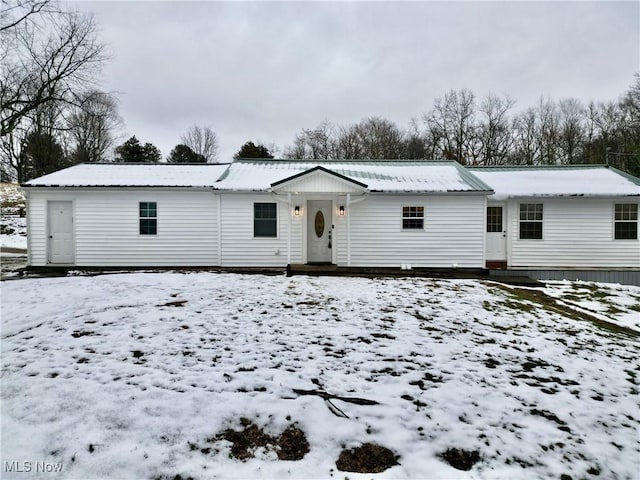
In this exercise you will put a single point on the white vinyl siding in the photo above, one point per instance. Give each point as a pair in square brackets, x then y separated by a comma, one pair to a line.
[453, 232]
[239, 246]
[319, 182]
[107, 227]
[578, 233]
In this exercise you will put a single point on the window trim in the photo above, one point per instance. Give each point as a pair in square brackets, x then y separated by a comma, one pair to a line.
[141, 218]
[403, 218]
[277, 217]
[521, 221]
[616, 222]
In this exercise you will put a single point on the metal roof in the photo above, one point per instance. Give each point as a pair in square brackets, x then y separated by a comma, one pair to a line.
[378, 175]
[132, 175]
[558, 181]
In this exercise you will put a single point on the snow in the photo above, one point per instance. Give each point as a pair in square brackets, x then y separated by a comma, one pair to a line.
[384, 176]
[132, 175]
[546, 182]
[12, 218]
[452, 363]
[259, 175]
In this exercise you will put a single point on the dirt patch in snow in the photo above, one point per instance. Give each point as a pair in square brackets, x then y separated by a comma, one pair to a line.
[461, 459]
[367, 458]
[291, 444]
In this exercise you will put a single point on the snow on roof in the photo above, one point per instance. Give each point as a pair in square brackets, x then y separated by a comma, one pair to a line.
[132, 175]
[378, 176]
[585, 181]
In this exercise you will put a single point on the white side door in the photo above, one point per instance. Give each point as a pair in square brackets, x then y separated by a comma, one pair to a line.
[60, 226]
[496, 232]
[319, 231]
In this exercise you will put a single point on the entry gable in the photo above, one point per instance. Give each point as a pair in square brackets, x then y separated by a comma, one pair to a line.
[318, 180]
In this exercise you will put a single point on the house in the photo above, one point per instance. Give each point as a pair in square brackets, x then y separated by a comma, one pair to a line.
[563, 222]
[273, 213]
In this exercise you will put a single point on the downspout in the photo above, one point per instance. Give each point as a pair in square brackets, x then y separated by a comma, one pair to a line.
[348, 230]
[289, 229]
[28, 215]
[484, 234]
[219, 202]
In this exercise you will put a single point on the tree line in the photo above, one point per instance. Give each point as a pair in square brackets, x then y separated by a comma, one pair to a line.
[54, 115]
[490, 132]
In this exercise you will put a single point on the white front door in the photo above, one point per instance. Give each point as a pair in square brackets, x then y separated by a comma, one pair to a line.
[319, 231]
[60, 221]
[496, 232]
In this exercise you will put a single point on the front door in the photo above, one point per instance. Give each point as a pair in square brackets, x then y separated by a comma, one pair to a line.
[319, 231]
[60, 221]
[496, 234]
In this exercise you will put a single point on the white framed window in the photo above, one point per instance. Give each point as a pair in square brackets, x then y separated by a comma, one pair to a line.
[531, 215]
[625, 222]
[148, 218]
[412, 218]
[265, 219]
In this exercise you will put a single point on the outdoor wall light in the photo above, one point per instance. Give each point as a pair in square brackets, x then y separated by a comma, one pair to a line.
[341, 211]
[296, 210]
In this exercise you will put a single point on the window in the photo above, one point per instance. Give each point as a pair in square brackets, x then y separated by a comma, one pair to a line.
[412, 218]
[265, 220]
[148, 218]
[626, 221]
[494, 219]
[530, 221]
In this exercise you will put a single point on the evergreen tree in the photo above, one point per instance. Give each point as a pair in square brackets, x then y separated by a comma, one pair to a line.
[42, 154]
[251, 150]
[151, 153]
[183, 154]
[132, 151]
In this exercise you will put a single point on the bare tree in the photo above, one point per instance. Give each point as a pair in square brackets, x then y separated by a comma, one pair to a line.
[416, 145]
[347, 143]
[494, 130]
[526, 149]
[203, 141]
[21, 12]
[317, 143]
[47, 56]
[451, 121]
[92, 125]
[548, 132]
[379, 138]
[571, 129]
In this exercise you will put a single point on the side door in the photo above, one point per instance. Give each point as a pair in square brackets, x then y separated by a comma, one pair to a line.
[60, 232]
[496, 234]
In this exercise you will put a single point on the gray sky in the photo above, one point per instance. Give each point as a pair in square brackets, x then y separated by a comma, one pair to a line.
[263, 71]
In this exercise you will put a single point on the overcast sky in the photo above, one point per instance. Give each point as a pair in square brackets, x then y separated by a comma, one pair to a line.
[263, 71]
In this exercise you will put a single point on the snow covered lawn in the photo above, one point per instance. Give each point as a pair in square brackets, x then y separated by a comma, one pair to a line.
[136, 376]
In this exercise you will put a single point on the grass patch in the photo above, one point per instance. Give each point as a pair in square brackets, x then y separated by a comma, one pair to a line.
[550, 304]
